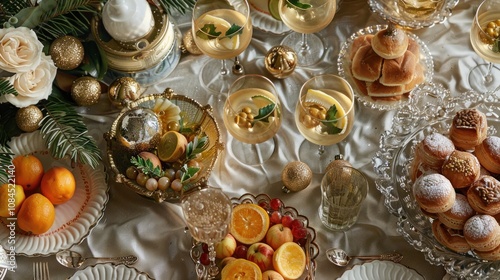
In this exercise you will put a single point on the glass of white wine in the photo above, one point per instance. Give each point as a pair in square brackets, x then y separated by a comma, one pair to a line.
[324, 115]
[485, 39]
[252, 115]
[306, 17]
[222, 29]
[208, 215]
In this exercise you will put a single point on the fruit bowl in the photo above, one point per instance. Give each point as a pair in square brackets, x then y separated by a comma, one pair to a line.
[266, 202]
[193, 116]
[391, 163]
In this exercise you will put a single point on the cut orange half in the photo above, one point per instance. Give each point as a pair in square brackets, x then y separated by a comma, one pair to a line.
[289, 260]
[241, 269]
[172, 146]
[249, 223]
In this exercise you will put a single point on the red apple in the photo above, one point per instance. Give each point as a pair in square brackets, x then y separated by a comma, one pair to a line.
[277, 235]
[261, 254]
[225, 247]
[271, 275]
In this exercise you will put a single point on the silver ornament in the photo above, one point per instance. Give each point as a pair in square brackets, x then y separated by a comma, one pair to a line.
[138, 130]
[280, 61]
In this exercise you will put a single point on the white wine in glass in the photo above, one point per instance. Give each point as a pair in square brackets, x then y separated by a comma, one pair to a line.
[485, 39]
[324, 115]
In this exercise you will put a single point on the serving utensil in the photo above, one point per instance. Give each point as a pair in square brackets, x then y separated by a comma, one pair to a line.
[73, 259]
[237, 67]
[339, 257]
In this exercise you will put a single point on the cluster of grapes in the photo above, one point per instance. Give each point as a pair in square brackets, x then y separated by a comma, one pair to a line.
[492, 29]
[245, 118]
[171, 178]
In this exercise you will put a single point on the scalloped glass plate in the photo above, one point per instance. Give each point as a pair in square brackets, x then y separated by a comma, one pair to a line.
[389, 11]
[344, 66]
[380, 270]
[264, 200]
[411, 124]
[110, 271]
[75, 218]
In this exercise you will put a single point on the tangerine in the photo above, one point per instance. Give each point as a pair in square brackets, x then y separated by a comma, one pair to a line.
[36, 215]
[58, 185]
[241, 269]
[249, 223]
[29, 171]
[289, 260]
[11, 199]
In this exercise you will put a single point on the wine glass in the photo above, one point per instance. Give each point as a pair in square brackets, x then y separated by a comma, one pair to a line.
[252, 115]
[485, 39]
[208, 214]
[306, 17]
[222, 29]
[324, 116]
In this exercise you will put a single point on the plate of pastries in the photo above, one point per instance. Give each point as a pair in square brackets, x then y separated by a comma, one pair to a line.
[385, 64]
[439, 170]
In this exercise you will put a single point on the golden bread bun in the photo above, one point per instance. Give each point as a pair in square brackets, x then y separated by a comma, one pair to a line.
[434, 193]
[484, 195]
[458, 214]
[434, 149]
[390, 43]
[398, 71]
[488, 154]
[366, 64]
[461, 168]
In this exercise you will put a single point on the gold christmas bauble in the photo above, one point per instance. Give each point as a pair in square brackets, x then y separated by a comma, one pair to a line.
[124, 88]
[296, 176]
[338, 161]
[86, 91]
[67, 52]
[189, 45]
[280, 61]
[28, 118]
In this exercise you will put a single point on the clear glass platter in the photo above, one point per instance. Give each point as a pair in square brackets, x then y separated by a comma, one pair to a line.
[380, 270]
[389, 11]
[433, 113]
[110, 271]
[75, 218]
[344, 66]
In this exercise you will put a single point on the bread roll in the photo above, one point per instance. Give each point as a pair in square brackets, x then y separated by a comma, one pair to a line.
[398, 71]
[468, 129]
[366, 64]
[461, 168]
[488, 154]
[414, 48]
[390, 43]
[482, 232]
[418, 78]
[458, 214]
[376, 89]
[434, 149]
[434, 193]
[365, 40]
[484, 195]
[450, 238]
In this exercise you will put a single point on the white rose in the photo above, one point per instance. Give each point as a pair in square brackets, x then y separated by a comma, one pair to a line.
[20, 50]
[33, 86]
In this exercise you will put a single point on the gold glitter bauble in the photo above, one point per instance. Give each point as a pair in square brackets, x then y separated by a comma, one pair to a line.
[86, 91]
[67, 52]
[296, 176]
[338, 161]
[280, 61]
[28, 118]
[124, 88]
[189, 45]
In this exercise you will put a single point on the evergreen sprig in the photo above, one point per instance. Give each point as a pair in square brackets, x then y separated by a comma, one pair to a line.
[147, 167]
[6, 88]
[6, 156]
[180, 6]
[198, 145]
[65, 133]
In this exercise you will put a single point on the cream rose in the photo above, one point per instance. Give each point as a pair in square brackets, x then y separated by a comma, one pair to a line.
[33, 86]
[20, 50]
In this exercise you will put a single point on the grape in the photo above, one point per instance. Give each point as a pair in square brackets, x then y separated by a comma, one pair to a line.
[296, 224]
[299, 233]
[170, 174]
[176, 185]
[264, 204]
[240, 252]
[141, 179]
[151, 184]
[276, 204]
[131, 172]
[173, 125]
[204, 259]
[193, 163]
[275, 217]
[163, 183]
[204, 247]
[286, 221]
[178, 174]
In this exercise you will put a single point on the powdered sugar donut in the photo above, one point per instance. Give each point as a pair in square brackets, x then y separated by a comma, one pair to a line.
[459, 213]
[482, 232]
[434, 193]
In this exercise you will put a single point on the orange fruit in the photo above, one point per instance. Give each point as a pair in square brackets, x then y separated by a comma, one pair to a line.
[58, 185]
[172, 146]
[249, 223]
[289, 260]
[29, 171]
[37, 214]
[241, 269]
[11, 198]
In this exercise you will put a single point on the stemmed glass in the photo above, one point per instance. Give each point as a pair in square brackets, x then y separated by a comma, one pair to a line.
[252, 115]
[208, 215]
[324, 116]
[222, 29]
[306, 17]
[485, 39]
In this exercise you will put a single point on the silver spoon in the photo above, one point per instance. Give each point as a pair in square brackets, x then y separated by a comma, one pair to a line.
[339, 257]
[237, 67]
[73, 259]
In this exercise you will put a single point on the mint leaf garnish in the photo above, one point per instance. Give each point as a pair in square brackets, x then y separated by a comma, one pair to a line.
[233, 31]
[496, 46]
[330, 122]
[298, 4]
[207, 32]
[265, 112]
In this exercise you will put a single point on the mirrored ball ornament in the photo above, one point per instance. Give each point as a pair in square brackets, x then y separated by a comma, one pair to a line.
[123, 89]
[138, 129]
[296, 176]
[280, 61]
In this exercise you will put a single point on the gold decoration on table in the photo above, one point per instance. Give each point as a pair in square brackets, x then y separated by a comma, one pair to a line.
[28, 118]
[86, 91]
[124, 88]
[338, 161]
[189, 45]
[281, 61]
[67, 52]
[296, 176]
[137, 130]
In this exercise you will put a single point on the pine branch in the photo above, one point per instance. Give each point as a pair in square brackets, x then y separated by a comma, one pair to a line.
[6, 87]
[8, 126]
[180, 6]
[9, 8]
[6, 157]
[66, 134]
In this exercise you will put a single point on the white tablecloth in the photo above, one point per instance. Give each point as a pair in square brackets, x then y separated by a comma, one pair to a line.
[155, 232]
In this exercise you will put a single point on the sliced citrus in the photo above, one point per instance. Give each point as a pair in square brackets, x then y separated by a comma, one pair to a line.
[289, 260]
[274, 9]
[249, 223]
[172, 146]
[230, 43]
[261, 100]
[241, 269]
[326, 100]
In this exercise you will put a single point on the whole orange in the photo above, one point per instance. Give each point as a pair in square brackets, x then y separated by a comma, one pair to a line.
[29, 171]
[58, 185]
[36, 215]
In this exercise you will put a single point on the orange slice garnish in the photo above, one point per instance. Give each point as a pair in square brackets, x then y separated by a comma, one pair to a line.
[249, 223]
[289, 260]
[241, 269]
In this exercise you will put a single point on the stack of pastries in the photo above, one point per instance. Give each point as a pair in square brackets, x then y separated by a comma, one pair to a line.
[455, 182]
[386, 66]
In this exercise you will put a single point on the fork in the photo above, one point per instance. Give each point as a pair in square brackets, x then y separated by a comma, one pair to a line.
[41, 271]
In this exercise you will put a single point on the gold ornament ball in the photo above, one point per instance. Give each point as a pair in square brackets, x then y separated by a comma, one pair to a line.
[124, 88]
[338, 161]
[189, 45]
[296, 176]
[86, 91]
[67, 52]
[280, 61]
[28, 118]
